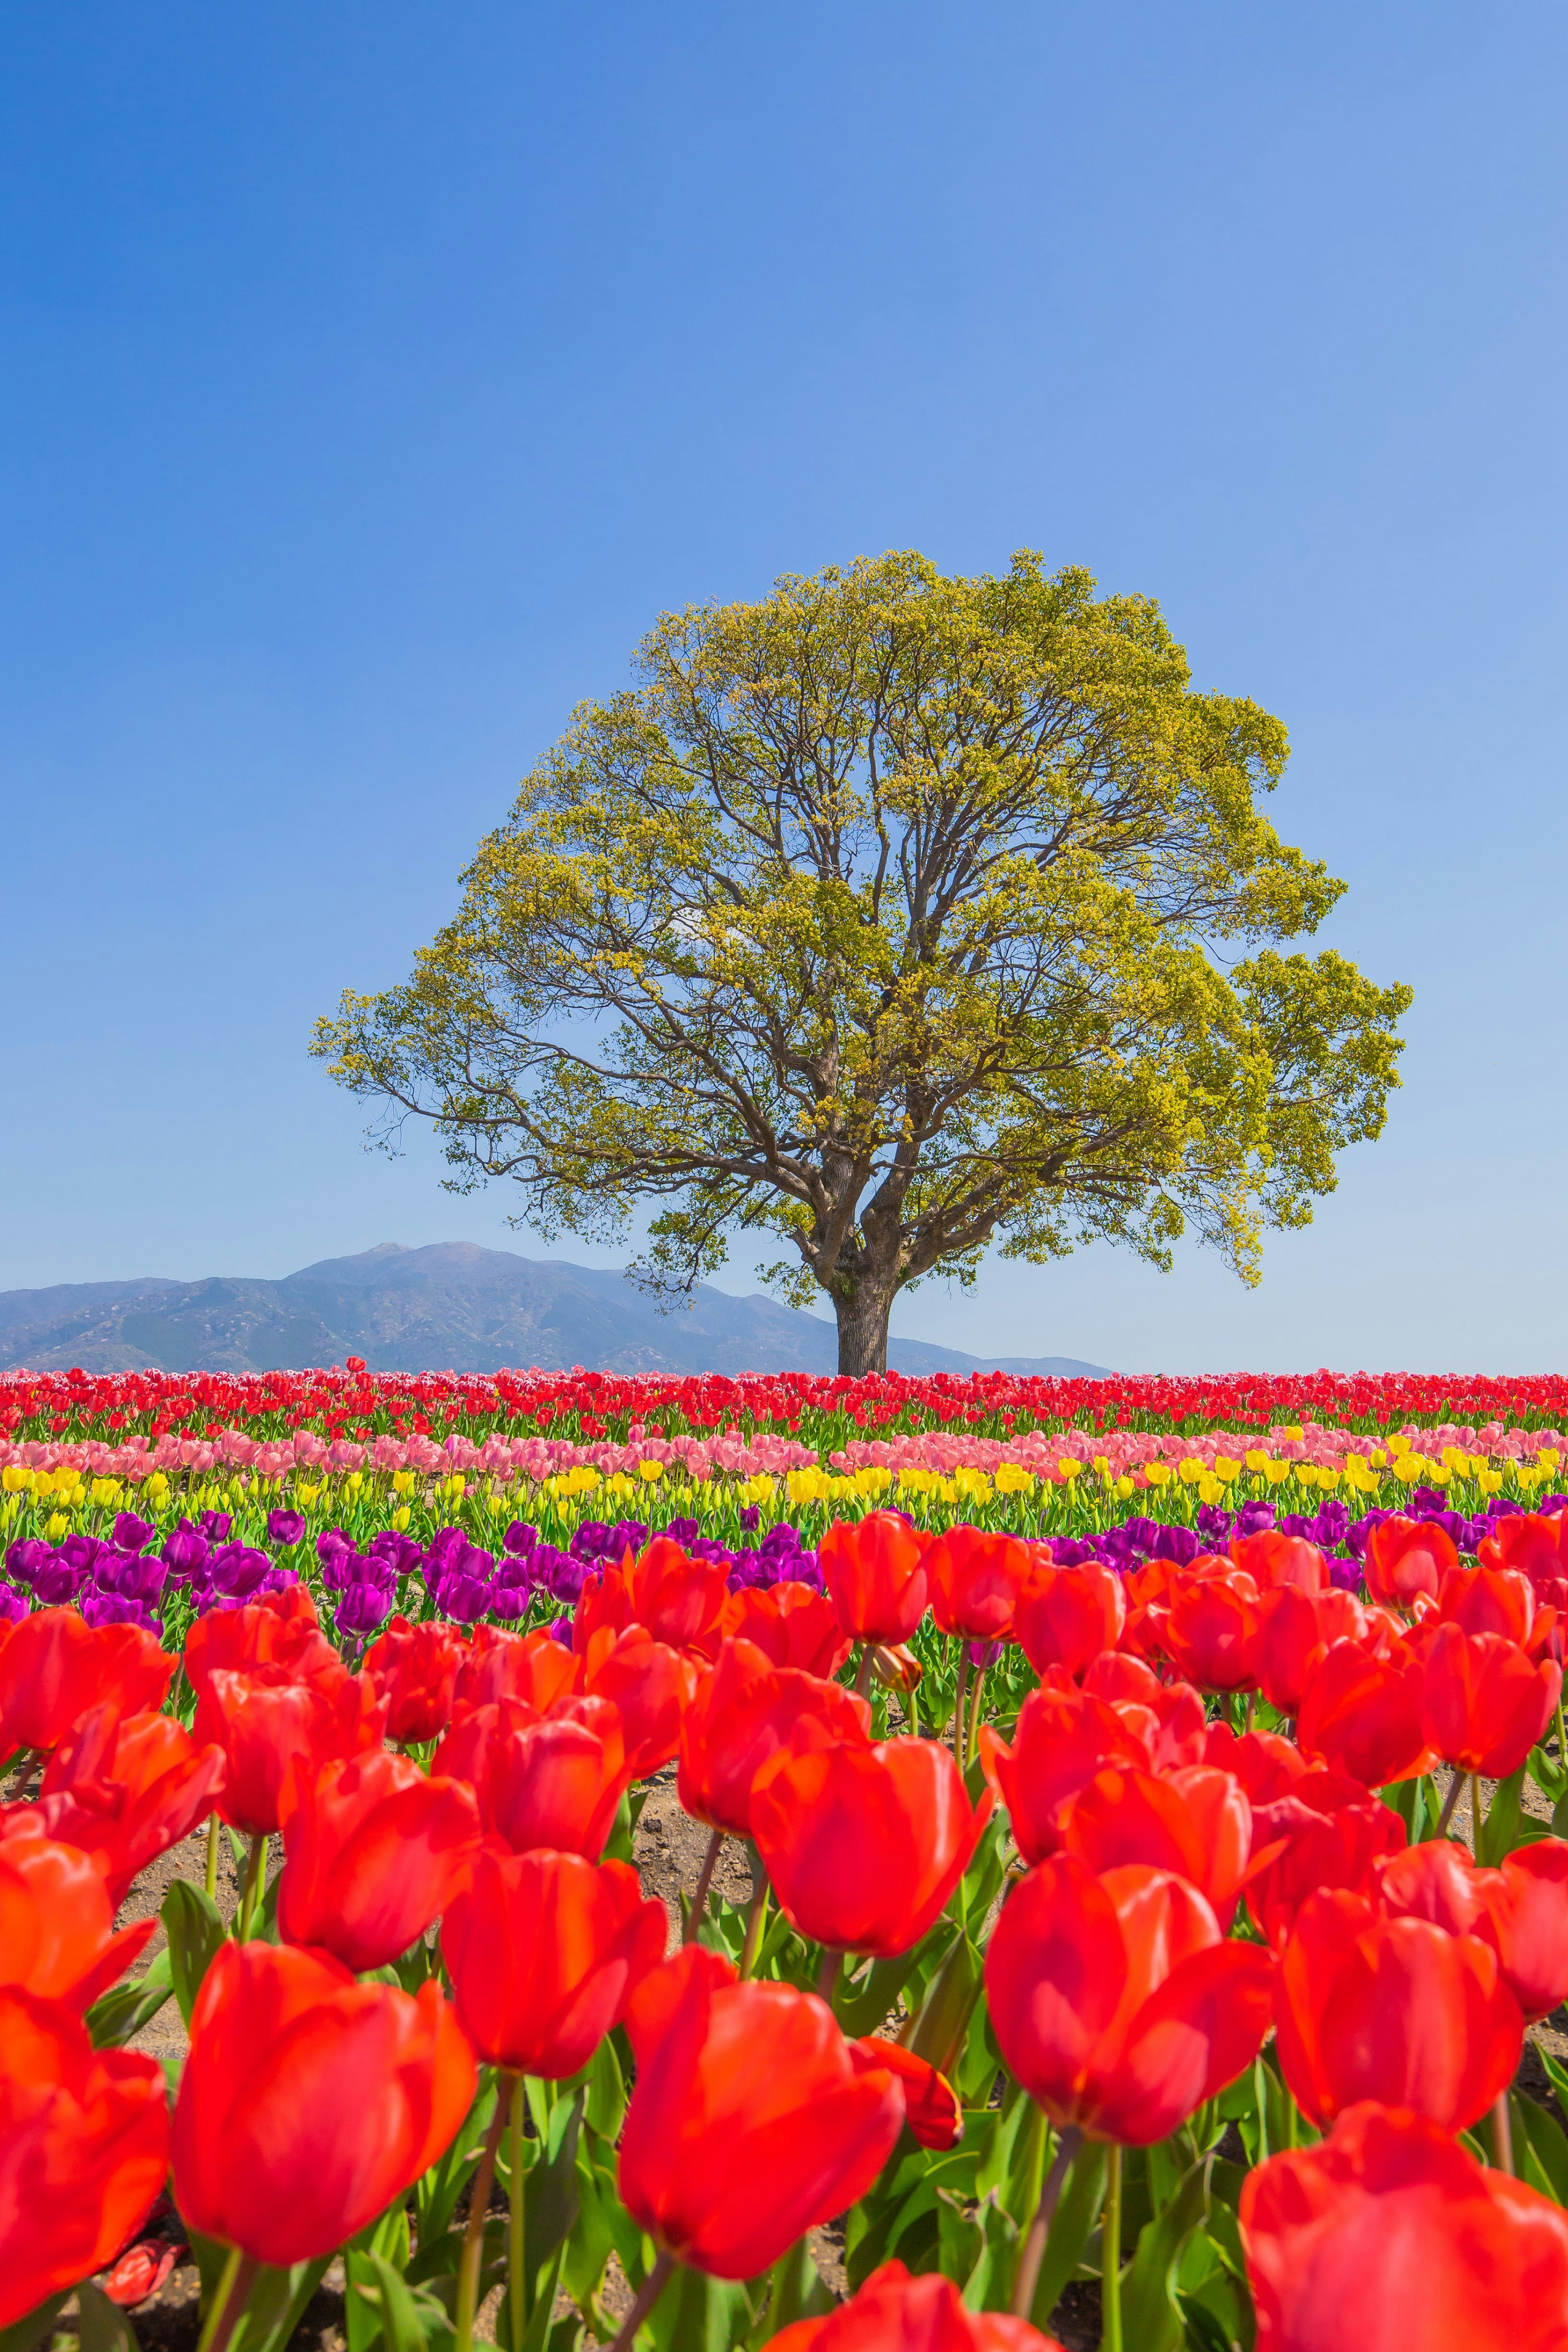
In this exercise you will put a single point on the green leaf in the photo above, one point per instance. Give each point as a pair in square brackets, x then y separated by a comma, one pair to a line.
[1500, 1829]
[552, 2194]
[277, 2305]
[861, 2011]
[376, 2286]
[101, 2326]
[196, 1935]
[125, 2008]
[437, 2190]
[697, 2314]
[1152, 2318]
[795, 2291]
[1540, 2139]
[606, 2086]
[1071, 2229]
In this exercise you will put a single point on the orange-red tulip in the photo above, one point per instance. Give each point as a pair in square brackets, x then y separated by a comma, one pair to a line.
[748, 1710]
[752, 2120]
[1069, 1616]
[309, 2102]
[1520, 1909]
[650, 1683]
[680, 1599]
[1265, 1764]
[1361, 1714]
[281, 1630]
[1491, 1601]
[544, 1950]
[1116, 2001]
[896, 2312]
[553, 1780]
[1396, 2009]
[57, 1919]
[1196, 1824]
[271, 1728]
[930, 2104]
[1536, 1543]
[1276, 1561]
[495, 1665]
[1168, 1717]
[415, 1669]
[1210, 1631]
[875, 1572]
[374, 1849]
[84, 2150]
[973, 1579]
[1332, 1832]
[1063, 1736]
[54, 1667]
[1406, 1558]
[125, 1788]
[1296, 1627]
[864, 1844]
[1484, 1703]
[1389, 2235]
[794, 1624]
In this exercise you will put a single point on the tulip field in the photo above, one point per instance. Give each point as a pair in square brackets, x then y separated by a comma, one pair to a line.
[1127, 1903]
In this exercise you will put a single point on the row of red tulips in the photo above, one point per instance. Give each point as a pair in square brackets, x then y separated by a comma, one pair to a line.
[1177, 1978]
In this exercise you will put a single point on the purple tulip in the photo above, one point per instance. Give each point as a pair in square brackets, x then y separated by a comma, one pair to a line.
[26, 1557]
[519, 1539]
[362, 1608]
[562, 1575]
[129, 1532]
[13, 1605]
[131, 1577]
[285, 1527]
[215, 1526]
[751, 1520]
[1254, 1519]
[331, 1541]
[237, 1570]
[510, 1602]
[399, 1553]
[462, 1598]
[57, 1581]
[109, 1609]
[185, 1552]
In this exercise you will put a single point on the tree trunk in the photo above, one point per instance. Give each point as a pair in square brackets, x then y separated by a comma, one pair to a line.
[863, 1330]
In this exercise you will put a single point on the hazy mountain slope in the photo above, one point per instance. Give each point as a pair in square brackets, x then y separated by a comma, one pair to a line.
[451, 1306]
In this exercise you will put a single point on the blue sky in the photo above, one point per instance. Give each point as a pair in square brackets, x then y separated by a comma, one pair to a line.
[372, 376]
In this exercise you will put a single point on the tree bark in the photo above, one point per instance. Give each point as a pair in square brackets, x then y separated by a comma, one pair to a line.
[863, 1330]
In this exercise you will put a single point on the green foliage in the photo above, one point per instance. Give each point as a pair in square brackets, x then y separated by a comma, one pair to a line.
[885, 916]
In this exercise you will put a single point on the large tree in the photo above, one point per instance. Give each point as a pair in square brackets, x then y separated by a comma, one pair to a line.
[893, 915]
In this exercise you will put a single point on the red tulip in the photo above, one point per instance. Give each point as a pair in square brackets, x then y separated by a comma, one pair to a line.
[309, 2102]
[913, 2315]
[281, 1629]
[1211, 1630]
[534, 1667]
[794, 1624]
[1535, 1543]
[84, 2150]
[54, 1667]
[1116, 2001]
[554, 1780]
[931, 2105]
[746, 1712]
[1168, 1717]
[1361, 1714]
[1069, 1616]
[1490, 1600]
[374, 1849]
[1436, 1880]
[1389, 2235]
[1196, 1823]
[544, 1950]
[1295, 1629]
[1404, 1558]
[271, 1728]
[1484, 1704]
[974, 1580]
[1332, 1832]
[1063, 1739]
[1394, 2010]
[1265, 1764]
[1279, 1562]
[875, 1569]
[864, 1844]
[57, 1919]
[651, 1686]
[415, 1669]
[752, 2120]
[680, 1599]
[1527, 1922]
[126, 1788]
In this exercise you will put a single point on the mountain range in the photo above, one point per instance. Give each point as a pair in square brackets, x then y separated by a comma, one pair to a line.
[452, 1307]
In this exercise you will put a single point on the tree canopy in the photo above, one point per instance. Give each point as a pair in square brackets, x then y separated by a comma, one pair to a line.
[893, 915]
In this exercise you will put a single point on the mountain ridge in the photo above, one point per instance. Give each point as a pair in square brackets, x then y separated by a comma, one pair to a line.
[446, 1307]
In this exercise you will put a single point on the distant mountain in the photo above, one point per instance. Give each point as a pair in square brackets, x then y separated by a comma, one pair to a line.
[450, 1308]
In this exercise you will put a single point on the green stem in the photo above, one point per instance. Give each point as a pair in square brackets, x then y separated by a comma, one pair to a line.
[975, 1718]
[1110, 2255]
[863, 1679]
[1026, 2277]
[958, 1703]
[755, 1917]
[827, 1977]
[228, 2303]
[1450, 1803]
[647, 2296]
[211, 1856]
[1251, 1712]
[1502, 2135]
[1476, 1816]
[517, 2280]
[694, 1917]
[255, 1878]
[474, 2238]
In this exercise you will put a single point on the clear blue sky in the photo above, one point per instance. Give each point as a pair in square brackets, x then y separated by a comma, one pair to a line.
[372, 376]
